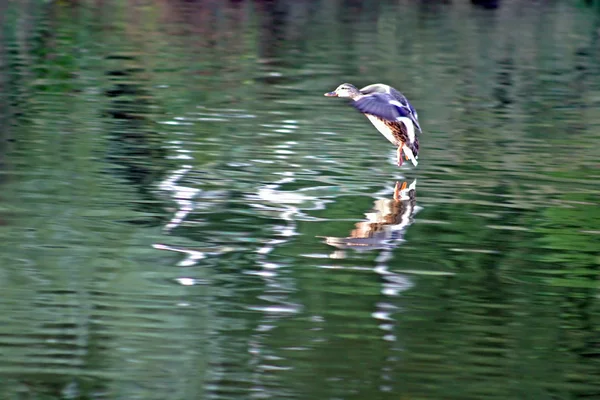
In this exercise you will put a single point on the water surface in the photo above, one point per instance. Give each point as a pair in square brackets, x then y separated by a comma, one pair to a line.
[183, 214]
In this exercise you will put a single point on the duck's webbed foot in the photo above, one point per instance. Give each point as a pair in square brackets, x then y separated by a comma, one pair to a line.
[398, 189]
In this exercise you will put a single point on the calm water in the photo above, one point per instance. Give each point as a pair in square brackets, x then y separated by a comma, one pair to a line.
[184, 215]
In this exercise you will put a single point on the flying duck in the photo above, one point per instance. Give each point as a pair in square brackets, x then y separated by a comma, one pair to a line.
[390, 112]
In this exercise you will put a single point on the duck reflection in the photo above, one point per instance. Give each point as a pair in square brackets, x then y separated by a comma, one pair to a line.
[385, 225]
[382, 231]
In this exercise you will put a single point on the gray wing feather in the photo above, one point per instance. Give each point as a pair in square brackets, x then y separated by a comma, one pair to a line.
[377, 104]
[388, 107]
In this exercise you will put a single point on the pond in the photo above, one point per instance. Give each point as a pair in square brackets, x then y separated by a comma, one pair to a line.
[184, 215]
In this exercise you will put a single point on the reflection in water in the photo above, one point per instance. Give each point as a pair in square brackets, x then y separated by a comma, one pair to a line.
[383, 231]
[385, 226]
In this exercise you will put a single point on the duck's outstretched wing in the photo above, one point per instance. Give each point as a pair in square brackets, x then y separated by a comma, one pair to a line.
[384, 106]
[377, 104]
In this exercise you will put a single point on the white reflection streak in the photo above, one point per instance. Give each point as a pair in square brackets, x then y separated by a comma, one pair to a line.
[192, 255]
[182, 195]
[277, 288]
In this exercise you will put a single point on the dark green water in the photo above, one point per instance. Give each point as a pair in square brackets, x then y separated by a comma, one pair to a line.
[184, 215]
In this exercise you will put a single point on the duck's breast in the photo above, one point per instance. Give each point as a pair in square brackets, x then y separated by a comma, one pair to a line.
[384, 128]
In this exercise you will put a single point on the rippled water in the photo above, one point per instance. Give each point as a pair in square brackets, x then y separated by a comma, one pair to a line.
[183, 214]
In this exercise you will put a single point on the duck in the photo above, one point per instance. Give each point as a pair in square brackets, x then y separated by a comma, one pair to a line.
[390, 112]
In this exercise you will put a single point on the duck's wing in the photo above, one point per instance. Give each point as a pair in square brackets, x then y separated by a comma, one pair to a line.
[384, 106]
[404, 103]
[380, 105]
[414, 117]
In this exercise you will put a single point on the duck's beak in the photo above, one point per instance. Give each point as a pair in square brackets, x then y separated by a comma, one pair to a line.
[331, 94]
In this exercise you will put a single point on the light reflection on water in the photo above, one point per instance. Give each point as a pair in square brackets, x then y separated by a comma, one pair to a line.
[188, 217]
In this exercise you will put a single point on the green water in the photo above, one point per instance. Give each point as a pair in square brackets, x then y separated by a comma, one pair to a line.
[184, 215]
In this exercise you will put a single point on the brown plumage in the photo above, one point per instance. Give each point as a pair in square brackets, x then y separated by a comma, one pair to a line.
[398, 129]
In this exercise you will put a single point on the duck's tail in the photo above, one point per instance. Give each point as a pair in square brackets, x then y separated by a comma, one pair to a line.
[411, 151]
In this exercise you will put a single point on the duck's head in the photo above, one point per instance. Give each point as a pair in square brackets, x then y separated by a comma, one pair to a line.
[344, 90]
